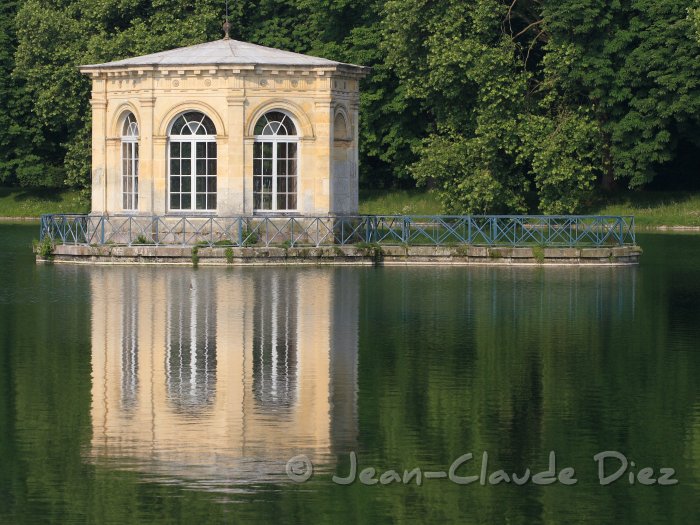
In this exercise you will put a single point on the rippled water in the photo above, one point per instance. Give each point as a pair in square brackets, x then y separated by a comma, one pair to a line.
[174, 395]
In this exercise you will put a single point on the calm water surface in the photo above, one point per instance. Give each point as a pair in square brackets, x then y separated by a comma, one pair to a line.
[173, 395]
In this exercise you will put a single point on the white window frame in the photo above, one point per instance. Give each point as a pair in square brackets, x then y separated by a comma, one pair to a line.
[275, 140]
[130, 156]
[192, 140]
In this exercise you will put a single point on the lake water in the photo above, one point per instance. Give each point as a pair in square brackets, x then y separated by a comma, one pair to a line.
[174, 395]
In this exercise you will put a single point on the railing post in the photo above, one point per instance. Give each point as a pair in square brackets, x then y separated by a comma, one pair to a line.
[620, 240]
[632, 232]
[291, 233]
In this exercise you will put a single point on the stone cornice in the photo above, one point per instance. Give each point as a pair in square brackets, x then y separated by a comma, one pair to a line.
[357, 72]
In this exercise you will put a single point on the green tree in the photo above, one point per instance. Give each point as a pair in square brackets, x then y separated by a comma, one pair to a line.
[28, 155]
[637, 66]
[55, 38]
[545, 96]
[496, 129]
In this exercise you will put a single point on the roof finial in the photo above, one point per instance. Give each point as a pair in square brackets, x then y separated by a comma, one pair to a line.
[227, 25]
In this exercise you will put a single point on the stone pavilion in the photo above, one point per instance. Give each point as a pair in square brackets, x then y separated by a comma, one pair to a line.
[224, 129]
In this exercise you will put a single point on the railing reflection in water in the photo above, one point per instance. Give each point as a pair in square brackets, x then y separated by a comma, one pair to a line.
[221, 378]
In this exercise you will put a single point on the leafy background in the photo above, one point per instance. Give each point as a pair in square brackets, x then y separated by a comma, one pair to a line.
[498, 105]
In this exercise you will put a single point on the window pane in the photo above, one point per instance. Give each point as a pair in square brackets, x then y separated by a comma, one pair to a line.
[175, 148]
[267, 167]
[281, 150]
[209, 126]
[257, 201]
[175, 167]
[282, 184]
[260, 125]
[257, 150]
[281, 202]
[201, 184]
[292, 202]
[267, 184]
[201, 150]
[201, 167]
[186, 150]
[257, 184]
[175, 184]
[292, 167]
[186, 202]
[175, 202]
[257, 167]
[201, 202]
[281, 167]
[211, 150]
[211, 202]
[177, 126]
[186, 167]
[267, 150]
[267, 201]
[292, 150]
[211, 184]
[211, 167]
[292, 184]
[186, 184]
[291, 130]
[275, 116]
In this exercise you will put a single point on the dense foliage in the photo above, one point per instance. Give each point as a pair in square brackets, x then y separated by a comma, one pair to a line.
[501, 105]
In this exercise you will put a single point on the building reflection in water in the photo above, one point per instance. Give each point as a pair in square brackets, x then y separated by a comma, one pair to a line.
[220, 377]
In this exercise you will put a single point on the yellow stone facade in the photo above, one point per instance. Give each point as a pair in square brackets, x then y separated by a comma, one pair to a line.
[322, 100]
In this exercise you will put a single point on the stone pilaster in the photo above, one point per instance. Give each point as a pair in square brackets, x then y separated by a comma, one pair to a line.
[99, 136]
[146, 156]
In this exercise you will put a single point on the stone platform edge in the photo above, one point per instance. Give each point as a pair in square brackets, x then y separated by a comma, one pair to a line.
[345, 255]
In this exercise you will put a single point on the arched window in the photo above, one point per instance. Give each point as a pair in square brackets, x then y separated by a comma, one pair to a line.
[130, 163]
[192, 160]
[275, 163]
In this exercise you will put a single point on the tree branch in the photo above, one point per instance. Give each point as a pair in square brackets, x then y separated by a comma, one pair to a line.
[533, 24]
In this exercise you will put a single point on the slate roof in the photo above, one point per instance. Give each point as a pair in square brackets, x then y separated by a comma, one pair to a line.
[222, 53]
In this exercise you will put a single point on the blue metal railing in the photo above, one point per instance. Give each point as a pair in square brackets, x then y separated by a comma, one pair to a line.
[442, 230]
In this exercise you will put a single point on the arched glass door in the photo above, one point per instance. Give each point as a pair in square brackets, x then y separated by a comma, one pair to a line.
[275, 163]
[192, 159]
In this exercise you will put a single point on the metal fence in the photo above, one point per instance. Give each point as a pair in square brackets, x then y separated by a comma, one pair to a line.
[444, 230]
